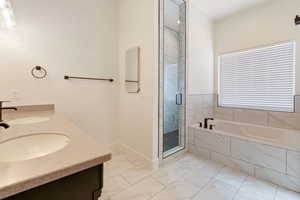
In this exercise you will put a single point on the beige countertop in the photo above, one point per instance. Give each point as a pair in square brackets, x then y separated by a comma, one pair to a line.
[81, 153]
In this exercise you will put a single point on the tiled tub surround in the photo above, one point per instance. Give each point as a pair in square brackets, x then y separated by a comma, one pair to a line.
[270, 154]
[199, 106]
[259, 117]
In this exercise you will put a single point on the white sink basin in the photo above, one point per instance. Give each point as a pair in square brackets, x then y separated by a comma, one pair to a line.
[28, 120]
[31, 146]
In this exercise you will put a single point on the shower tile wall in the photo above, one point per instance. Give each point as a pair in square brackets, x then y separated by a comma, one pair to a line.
[182, 69]
[198, 107]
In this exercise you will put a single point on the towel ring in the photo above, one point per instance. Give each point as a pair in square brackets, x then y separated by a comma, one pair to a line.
[42, 72]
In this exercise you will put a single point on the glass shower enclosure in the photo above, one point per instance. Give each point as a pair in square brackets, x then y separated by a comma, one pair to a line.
[172, 76]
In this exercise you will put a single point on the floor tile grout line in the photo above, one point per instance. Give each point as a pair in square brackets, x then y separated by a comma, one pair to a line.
[127, 186]
[276, 193]
[154, 195]
[125, 179]
[209, 182]
[201, 188]
[239, 189]
[131, 185]
[181, 166]
[142, 179]
[146, 176]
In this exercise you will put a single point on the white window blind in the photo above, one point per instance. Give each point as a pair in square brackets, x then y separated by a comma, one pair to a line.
[262, 78]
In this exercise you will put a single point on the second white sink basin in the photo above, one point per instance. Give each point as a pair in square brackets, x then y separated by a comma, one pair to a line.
[31, 146]
[28, 120]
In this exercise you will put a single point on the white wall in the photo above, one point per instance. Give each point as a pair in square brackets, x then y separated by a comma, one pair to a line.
[66, 37]
[200, 51]
[262, 25]
[138, 112]
[87, 38]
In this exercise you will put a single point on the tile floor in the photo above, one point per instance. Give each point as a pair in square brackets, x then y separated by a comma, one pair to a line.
[186, 178]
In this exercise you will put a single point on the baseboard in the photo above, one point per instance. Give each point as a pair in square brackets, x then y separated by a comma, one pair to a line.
[129, 150]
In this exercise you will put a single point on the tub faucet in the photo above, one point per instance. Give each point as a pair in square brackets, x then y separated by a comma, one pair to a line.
[4, 125]
[5, 108]
[206, 122]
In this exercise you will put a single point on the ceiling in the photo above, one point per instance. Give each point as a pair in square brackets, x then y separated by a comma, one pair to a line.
[217, 9]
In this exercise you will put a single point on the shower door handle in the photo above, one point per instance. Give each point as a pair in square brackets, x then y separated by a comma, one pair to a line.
[179, 99]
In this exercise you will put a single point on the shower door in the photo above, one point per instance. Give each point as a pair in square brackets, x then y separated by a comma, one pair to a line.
[173, 75]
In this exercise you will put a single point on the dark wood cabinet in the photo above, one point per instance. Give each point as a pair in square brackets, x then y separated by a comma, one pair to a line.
[84, 185]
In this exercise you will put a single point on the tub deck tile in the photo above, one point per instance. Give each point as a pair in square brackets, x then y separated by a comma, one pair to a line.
[259, 154]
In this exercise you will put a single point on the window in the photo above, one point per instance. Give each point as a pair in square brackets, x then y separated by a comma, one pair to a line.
[262, 78]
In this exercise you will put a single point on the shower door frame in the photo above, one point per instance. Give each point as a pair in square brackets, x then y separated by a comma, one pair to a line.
[161, 63]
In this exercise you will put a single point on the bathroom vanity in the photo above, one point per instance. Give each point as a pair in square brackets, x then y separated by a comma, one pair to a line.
[45, 156]
[86, 184]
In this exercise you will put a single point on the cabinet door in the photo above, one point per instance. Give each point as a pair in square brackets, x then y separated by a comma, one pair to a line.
[85, 185]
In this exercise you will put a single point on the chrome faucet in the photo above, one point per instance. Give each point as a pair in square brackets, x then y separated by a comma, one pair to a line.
[206, 122]
[5, 108]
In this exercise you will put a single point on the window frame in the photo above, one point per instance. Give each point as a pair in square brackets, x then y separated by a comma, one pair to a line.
[268, 109]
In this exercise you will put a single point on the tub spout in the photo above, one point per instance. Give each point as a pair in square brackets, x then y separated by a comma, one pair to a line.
[206, 122]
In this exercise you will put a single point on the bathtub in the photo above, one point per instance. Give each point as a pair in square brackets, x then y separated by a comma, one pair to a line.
[271, 154]
[282, 138]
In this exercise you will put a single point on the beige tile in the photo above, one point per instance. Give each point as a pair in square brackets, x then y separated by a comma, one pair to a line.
[201, 152]
[284, 120]
[190, 177]
[116, 167]
[283, 194]
[208, 101]
[258, 154]
[210, 169]
[233, 163]
[217, 190]
[223, 113]
[293, 163]
[177, 190]
[275, 177]
[231, 176]
[254, 189]
[297, 103]
[192, 162]
[248, 196]
[251, 116]
[135, 174]
[191, 136]
[168, 174]
[114, 185]
[200, 174]
[141, 163]
[141, 191]
[212, 142]
[199, 107]
[197, 178]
